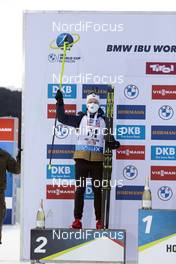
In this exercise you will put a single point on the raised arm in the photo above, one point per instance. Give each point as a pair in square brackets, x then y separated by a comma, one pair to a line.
[69, 120]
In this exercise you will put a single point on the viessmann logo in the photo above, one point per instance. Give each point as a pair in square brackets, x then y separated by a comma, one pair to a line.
[69, 109]
[60, 192]
[7, 129]
[164, 92]
[161, 68]
[159, 173]
[128, 152]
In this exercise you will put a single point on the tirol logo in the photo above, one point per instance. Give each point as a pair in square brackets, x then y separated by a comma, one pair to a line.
[163, 152]
[161, 68]
[163, 132]
[130, 111]
[130, 172]
[69, 109]
[66, 40]
[61, 131]
[61, 171]
[68, 90]
[165, 92]
[60, 151]
[165, 193]
[130, 132]
[129, 152]
[100, 89]
[167, 173]
[166, 112]
[131, 91]
[60, 192]
[129, 192]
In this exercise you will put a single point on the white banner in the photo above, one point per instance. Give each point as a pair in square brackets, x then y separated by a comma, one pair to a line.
[135, 53]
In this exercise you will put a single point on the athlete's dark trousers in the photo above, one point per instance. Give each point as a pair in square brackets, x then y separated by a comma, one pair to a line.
[83, 170]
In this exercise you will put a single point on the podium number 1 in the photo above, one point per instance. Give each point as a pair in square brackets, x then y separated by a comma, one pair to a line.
[148, 221]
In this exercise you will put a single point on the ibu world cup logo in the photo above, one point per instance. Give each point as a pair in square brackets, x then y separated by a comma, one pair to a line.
[166, 112]
[64, 41]
[130, 172]
[165, 193]
[131, 91]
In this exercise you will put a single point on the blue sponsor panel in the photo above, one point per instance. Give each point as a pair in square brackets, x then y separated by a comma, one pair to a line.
[60, 151]
[61, 171]
[8, 146]
[131, 112]
[9, 189]
[163, 224]
[84, 108]
[8, 217]
[89, 195]
[130, 132]
[101, 89]
[129, 192]
[68, 90]
[163, 132]
[163, 152]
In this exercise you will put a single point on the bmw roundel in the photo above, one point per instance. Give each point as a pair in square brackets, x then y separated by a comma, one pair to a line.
[61, 131]
[130, 172]
[165, 193]
[166, 112]
[52, 57]
[131, 91]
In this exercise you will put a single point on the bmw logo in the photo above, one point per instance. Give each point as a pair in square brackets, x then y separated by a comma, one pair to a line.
[52, 57]
[61, 131]
[131, 91]
[130, 172]
[166, 112]
[165, 193]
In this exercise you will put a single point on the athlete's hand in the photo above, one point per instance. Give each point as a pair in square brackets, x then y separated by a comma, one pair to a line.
[59, 95]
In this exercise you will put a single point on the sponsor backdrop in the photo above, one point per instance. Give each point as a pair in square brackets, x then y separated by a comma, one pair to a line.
[134, 53]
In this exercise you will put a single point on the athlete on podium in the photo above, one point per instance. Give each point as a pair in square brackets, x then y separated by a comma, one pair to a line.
[88, 154]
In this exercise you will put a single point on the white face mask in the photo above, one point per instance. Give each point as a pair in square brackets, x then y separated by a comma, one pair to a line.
[92, 107]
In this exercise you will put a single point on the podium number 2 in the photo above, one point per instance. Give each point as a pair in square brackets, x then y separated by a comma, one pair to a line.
[148, 221]
[40, 248]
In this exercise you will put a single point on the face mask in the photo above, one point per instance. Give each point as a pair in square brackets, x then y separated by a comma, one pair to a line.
[92, 107]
